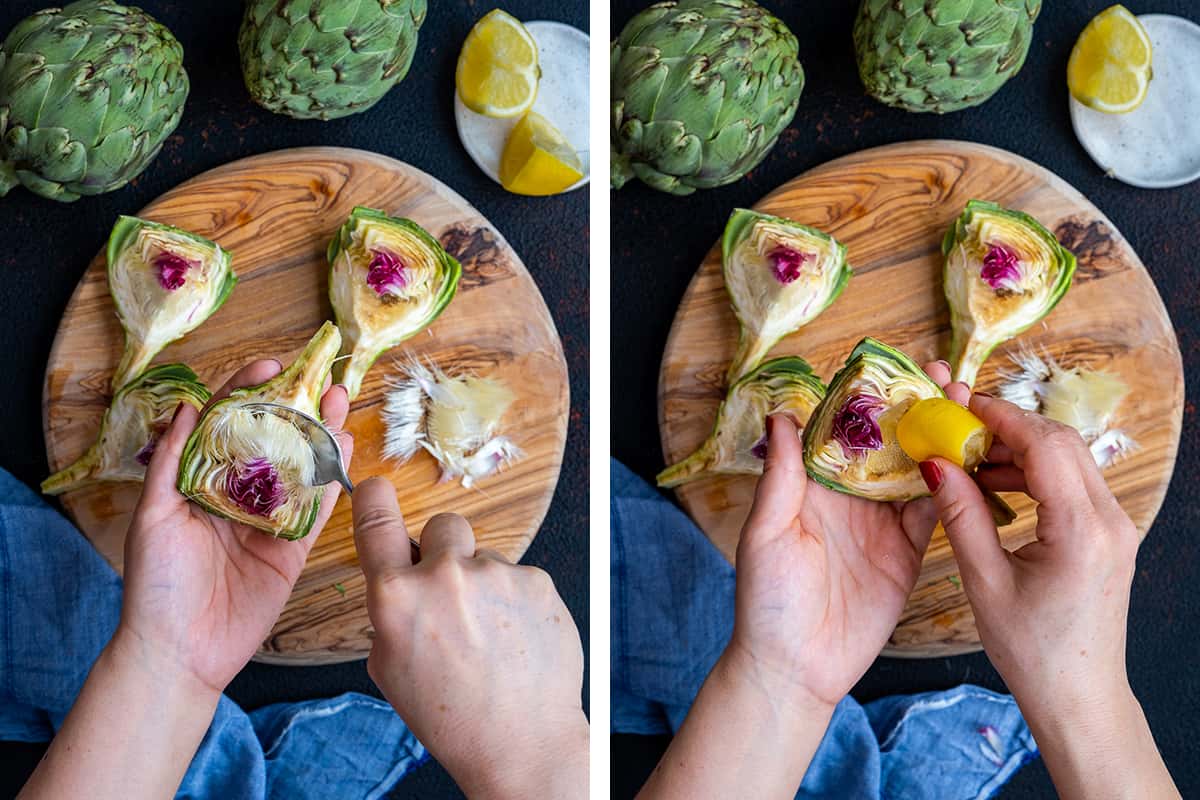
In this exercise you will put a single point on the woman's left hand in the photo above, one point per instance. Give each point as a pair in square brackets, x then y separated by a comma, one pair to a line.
[201, 592]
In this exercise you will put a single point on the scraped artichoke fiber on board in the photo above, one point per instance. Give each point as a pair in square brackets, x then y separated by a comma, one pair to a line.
[88, 94]
[326, 59]
[165, 282]
[1004, 271]
[138, 415]
[254, 467]
[943, 55]
[389, 280]
[701, 90]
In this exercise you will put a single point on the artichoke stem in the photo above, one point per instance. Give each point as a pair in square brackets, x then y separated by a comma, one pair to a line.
[74, 476]
[691, 468]
[8, 177]
[353, 370]
[620, 170]
[303, 383]
[967, 354]
[133, 363]
[750, 352]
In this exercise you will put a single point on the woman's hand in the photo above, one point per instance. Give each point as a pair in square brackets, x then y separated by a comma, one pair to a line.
[479, 657]
[823, 576]
[1052, 614]
[201, 592]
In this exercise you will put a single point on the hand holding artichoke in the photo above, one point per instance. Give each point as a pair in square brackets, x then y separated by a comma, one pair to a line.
[88, 95]
[701, 89]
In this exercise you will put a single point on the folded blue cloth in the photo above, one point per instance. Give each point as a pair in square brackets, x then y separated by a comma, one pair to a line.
[59, 605]
[672, 615]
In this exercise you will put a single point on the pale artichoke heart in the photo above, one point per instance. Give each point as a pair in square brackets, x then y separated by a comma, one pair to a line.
[235, 441]
[780, 277]
[1016, 298]
[886, 473]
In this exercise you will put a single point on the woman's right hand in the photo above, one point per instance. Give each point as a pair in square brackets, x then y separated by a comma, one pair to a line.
[1052, 614]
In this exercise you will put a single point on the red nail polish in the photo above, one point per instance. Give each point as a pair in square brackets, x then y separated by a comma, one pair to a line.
[178, 408]
[932, 474]
[945, 364]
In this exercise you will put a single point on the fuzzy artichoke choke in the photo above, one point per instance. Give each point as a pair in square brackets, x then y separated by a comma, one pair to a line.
[388, 281]
[254, 467]
[701, 90]
[130, 428]
[88, 95]
[325, 59]
[1003, 272]
[737, 444]
[780, 275]
[941, 56]
[164, 282]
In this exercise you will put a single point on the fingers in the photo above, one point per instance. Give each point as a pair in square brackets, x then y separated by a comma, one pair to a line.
[447, 534]
[967, 520]
[1001, 478]
[779, 496]
[918, 518]
[335, 405]
[957, 391]
[163, 470]
[380, 535]
[332, 490]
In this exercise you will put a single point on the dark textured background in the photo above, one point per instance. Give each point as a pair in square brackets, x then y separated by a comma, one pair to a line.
[47, 246]
[662, 239]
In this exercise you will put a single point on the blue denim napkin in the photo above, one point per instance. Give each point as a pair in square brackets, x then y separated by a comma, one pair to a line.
[672, 615]
[59, 604]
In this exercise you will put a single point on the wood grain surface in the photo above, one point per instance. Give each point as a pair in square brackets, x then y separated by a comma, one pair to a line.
[891, 206]
[276, 213]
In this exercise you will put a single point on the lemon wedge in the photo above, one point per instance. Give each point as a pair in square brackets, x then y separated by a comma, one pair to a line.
[537, 159]
[498, 72]
[943, 428]
[1109, 69]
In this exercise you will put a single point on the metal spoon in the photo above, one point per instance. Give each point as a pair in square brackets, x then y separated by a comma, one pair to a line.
[327, 453]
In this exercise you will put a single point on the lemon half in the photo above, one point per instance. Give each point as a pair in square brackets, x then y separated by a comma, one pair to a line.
[1109, 69]
[537, 159]
[943, 428]
[498, 72]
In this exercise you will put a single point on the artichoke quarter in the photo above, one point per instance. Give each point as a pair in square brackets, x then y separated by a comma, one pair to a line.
[129, 431]
[88, 95]
[253, 466]
[388, 281]
[944, 55]
[1003, 272]
[737, 444]
[850, 442]
[325, 59]
[779, 275]
[164, 282]
[701, 89]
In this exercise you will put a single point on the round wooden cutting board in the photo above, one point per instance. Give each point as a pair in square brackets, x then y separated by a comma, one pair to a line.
[276, 213]
[891, 206]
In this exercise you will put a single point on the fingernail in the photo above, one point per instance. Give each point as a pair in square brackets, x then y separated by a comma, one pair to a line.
[178, 408]
[945, 364]
[932, 474]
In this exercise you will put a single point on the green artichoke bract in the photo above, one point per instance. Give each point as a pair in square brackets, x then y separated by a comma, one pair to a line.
[780, 275]
[941, 56]
[701, 89]
[325, 59]
[88, 95]
[737, 444]
[850, 441]
[130, 428]
[254, 467]
[1003, 272]
[388, 281]
[164, 282]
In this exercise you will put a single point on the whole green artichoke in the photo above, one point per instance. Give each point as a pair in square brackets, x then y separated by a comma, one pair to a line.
[701, 89]
[941, 56]
[88, 95]
[325, 59]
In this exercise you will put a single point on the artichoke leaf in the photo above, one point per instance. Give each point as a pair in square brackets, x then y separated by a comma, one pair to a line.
[780, 275]
[138, 415]
[389, 279]
[737, 443]
[1003, 272]
[165, 282]
[254, 467]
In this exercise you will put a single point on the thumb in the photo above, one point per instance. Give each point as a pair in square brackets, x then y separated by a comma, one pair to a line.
[967, 519]
[779, 496]
[380, 535]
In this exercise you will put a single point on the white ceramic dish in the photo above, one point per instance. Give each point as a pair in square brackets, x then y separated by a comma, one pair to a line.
[562, 99]
[1157, 145]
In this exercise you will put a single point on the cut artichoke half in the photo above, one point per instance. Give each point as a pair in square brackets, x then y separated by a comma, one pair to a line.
[389, 279]
[254, 467]
[1004, 271]
[850, 442]
[130, 428]
[164, 282]
[780, 275]
[737, 444]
